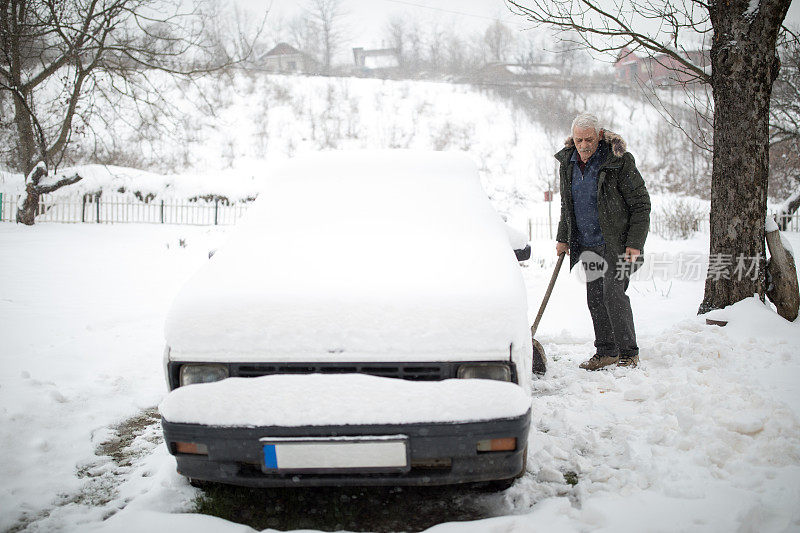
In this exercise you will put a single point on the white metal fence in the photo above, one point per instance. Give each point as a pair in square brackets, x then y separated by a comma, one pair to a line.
[542, 228]
[792, 221]
[121, 209]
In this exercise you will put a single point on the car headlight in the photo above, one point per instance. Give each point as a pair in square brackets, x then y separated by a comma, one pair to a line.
[497, 371]
[202, 373]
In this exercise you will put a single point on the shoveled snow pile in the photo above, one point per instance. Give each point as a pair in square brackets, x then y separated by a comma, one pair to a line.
[359, 254]
[344, 399]
[703, 436]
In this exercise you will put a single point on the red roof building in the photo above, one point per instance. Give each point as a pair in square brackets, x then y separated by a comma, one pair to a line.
[660, 69]
[288, 59]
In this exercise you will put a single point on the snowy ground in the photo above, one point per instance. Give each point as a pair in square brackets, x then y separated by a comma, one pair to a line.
[704, 436]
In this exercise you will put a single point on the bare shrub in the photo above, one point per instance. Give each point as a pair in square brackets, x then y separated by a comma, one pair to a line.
[679, 219]
[451, 135]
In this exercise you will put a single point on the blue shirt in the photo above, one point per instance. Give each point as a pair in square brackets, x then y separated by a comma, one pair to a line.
[584, 197]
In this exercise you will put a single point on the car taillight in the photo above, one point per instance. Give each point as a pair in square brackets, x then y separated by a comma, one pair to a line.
[191, 447]
[505, 444]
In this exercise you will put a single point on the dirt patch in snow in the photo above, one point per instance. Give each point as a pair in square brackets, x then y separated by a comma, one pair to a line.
[115, 457]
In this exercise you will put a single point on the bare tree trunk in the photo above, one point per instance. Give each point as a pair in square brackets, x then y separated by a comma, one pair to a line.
[26, 142]
[33, 189]
[27, 214]
[744, 66]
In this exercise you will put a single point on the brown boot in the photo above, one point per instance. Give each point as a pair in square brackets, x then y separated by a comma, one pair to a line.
[629, 360]
[599, 361]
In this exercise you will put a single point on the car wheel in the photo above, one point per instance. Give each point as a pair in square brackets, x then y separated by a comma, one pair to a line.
[539, 358]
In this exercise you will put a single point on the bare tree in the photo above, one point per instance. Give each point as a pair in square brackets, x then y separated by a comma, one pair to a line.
[528, 50]
[415, 55]
[784, 153]
[456, 53]
[744, 66]
[436, 46]
[498, 39]
[231, 35]
[327, 16]
[304, 35]
[785, 102]
[57, 54]
[397, 34]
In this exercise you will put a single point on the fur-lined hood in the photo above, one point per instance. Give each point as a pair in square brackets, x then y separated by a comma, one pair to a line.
[617, 143]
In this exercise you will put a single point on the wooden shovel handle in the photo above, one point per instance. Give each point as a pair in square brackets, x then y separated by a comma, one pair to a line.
[547, 294]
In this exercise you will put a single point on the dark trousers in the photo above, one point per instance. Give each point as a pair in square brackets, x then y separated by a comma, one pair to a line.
[610, 307]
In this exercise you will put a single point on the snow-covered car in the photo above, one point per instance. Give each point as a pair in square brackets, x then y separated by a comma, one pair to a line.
[365, 324]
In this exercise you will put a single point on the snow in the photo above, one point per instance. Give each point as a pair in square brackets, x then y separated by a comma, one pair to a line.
[40, 166]
[273, 401]
[233, 185]
[381, 61]
[343, 256]
[749, 316]
[770, 225]
[752, 9]
[703, 436]
[516, 238]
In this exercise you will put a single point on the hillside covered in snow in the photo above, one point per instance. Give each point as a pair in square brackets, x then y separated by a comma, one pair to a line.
[221, 135]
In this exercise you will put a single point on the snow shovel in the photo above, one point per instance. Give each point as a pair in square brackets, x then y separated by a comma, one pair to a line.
[539, 357]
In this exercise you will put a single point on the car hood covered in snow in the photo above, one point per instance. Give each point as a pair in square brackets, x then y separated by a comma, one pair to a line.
[359, 255]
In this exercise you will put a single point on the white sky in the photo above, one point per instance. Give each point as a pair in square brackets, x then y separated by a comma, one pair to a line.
[366, 19]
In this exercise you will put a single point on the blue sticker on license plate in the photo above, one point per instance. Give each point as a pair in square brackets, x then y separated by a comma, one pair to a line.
[270, 457]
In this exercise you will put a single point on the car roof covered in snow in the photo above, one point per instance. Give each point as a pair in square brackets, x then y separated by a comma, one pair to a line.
[357, 255]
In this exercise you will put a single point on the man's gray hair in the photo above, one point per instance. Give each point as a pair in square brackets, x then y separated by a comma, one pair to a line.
[586, 120]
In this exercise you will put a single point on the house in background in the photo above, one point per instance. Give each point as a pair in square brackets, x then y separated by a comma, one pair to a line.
[384, 61]
[660, 69]
[285, 58]
[514, 73]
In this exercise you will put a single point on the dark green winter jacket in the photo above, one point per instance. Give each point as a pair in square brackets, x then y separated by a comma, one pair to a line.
[622, 200]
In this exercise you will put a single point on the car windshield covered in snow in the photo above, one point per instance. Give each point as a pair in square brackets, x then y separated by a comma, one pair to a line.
[363, 266]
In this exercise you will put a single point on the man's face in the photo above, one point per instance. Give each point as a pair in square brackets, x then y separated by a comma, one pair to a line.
[586, 141]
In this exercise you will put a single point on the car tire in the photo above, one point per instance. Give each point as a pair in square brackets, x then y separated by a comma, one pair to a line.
[539, 358]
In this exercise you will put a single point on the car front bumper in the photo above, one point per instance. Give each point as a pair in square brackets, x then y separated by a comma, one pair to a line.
[438, 453]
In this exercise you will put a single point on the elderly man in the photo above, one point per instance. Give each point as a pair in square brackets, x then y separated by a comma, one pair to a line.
[605, 216]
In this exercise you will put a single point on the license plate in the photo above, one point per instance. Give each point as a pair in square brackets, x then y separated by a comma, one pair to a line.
[335, 454]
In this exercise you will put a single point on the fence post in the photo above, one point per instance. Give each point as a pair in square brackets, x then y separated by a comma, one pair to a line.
[1, 207]
[83, 209]
[162, 211]
[216, 210]
[97, 207]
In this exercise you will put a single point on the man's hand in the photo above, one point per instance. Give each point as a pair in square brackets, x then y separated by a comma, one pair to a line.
[631, 254]
[562, 248]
